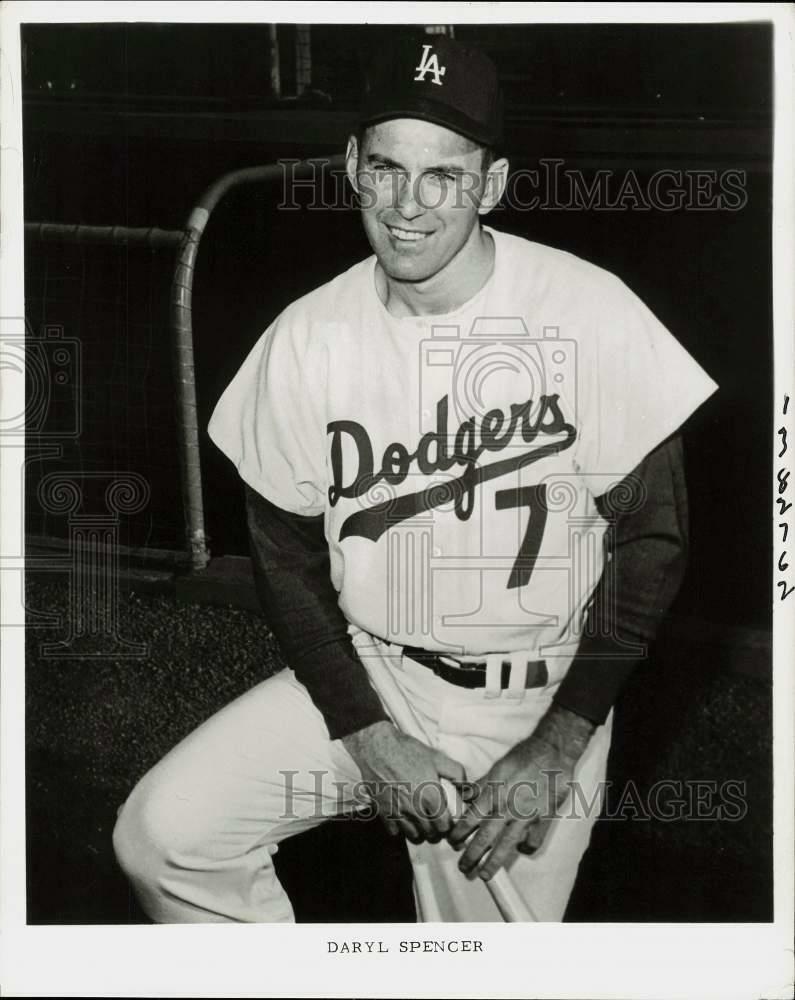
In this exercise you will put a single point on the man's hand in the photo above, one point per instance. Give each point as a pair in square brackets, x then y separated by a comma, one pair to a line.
[402, 775]
[512, 805]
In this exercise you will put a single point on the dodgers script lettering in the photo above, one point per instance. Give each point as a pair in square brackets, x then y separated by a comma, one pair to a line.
[432, 454]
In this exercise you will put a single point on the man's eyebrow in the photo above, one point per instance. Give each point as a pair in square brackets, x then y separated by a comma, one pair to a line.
[439, 168]
[380, 158]
[448, 168]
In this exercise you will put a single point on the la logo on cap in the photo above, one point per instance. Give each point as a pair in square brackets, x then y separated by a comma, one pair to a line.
[430, 64]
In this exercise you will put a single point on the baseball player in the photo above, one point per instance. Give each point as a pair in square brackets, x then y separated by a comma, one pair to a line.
[461, 467]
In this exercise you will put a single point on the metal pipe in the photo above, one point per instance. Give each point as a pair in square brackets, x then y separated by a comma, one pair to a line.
[156, 239]
[274, 61]
[303, 58]
[182, 323]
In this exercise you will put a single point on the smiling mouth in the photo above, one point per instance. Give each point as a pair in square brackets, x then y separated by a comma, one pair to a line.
[408, 235]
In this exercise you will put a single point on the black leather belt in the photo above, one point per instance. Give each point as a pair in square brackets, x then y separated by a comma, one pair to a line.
[473, 675]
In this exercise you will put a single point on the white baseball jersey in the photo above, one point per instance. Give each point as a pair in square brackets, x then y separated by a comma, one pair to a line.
[456, 457]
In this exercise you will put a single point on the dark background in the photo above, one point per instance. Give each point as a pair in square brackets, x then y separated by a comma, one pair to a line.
[128, 124]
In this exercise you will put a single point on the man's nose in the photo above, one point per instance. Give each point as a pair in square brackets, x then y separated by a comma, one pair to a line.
[406, 200]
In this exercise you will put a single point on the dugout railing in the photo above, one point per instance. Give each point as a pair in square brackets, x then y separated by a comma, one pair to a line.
[193, 552]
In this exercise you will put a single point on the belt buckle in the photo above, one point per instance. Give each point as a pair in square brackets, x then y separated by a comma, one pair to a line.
[451, 661]
[515, 664]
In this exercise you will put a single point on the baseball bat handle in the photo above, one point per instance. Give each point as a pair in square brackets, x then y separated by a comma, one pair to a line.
[512, 907]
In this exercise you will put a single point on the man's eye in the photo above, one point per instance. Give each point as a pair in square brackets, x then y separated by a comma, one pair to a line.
[441, 176]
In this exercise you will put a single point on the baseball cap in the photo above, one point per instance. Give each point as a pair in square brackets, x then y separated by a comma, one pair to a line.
[439, 80]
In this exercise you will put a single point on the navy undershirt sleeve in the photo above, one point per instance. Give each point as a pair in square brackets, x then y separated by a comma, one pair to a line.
[291, 570]
[647, 540]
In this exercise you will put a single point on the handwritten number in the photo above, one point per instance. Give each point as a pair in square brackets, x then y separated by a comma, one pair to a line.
[783, 485]
[535, 499]
[782, 431]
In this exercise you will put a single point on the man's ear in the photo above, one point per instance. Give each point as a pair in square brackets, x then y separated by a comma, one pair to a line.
[494, 188]
[352, 162]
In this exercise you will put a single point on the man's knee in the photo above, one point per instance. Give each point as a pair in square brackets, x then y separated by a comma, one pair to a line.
[148, 837]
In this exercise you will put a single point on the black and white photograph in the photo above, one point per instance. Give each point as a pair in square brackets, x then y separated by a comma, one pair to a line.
[396, 447]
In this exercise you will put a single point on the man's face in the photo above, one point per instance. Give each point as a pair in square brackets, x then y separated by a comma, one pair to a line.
[421, 188]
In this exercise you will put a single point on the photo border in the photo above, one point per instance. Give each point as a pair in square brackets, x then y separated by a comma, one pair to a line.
[567, 960]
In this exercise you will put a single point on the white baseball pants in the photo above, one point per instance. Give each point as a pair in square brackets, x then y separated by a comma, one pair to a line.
[197, 834]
